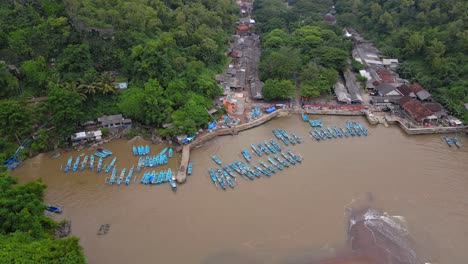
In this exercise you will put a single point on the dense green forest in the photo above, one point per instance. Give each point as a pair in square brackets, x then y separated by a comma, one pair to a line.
[25, 233]
[70, 54]
[429, 36]
[298, 48]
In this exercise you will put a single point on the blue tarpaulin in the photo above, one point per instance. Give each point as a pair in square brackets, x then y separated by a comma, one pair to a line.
[270, 109]
[211, 125]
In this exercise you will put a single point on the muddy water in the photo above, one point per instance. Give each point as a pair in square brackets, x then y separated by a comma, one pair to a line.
[295, 216]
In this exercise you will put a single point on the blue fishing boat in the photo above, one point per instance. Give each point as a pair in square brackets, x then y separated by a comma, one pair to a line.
[151, 177]
[269, 167]
[236, 168]
[173, 185]
[112, 177]
[345, 131]
[305, 117]
[456, 142]
[364, 131]
[284, 162]
[110, 164]
[213, 177]
[54, 209]
[163, 151]
[276, 164]
[147, 150]
[159, 178]
[99, 154]
[220, 177]
[170, 175]
[314, 135]
[216, 159]
[170, 153]
[448, 140]
[332, 132]
[69, 162]
[135, 151]
[228, 179]
[99, 165]
[263, 148]
[121, 177]
[338, 131]
[298, 158]
[83, 164]
[77, 163]
[269, 146]
[246, 155]
[277, 147]
[143, 177]
[105, 151]
[229, 171]
[189, 169]
[91, 162]
[259, 153]
[297, 138]
[129, 176]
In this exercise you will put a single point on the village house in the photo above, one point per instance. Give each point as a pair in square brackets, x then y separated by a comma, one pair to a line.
[387, 89]
[86, 136]
[114, 121]
[416, 110]
[341, 93]
[242, 30]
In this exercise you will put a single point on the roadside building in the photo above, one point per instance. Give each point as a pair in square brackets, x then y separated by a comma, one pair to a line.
[424, 95]
[114, 121]
[437, 109]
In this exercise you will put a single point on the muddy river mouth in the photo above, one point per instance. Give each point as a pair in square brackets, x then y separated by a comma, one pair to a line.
[295, 216]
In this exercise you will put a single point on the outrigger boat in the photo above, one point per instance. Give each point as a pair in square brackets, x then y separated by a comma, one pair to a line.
[235, 167]
[305, 117]
[143, 177]
[284, 162]
[269, 167]
[298, 158]
[448, 140]
[112, 177]
[332, 132]
[455, 141]
[152, 177]
[277, 147]
[135, 151]
[297, 138]
[262, 147]
[276, 164]
[220, 179]
[91, 162]
[228, 178]
[216, 159]
[110, 165]
[77, 163]
[121, 177]
[229, 171]
[69, 162]
[129, 176]
[173, 185]
[99, 165]
[259, 153]
[159, 180]
[170, 153]
[364, 131]
[314, 135]
[269, 146]
[189, 169]
[246, 155]
[83, 164]
[105, 151]
[338, 131]
[213, 177]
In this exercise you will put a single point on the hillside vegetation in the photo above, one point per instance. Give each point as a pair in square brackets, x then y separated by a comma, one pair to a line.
[429, 36]
[74, 52]
[25, 232]
[299, 48]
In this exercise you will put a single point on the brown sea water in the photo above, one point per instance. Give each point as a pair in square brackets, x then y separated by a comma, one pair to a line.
[295, 216]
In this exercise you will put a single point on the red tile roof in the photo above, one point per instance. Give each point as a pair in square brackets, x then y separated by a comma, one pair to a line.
[385, 76]
[414, 108]
[416, 87]
[243, 27]
[405, 89]
[434, 107]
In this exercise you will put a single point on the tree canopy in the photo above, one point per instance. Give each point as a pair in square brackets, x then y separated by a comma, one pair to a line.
[430, 37]
[24, 229]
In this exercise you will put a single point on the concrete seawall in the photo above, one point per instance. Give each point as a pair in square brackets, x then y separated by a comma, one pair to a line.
[372, 119]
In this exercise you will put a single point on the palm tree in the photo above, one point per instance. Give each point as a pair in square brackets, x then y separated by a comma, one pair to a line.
[88, 84]
[106, 83]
